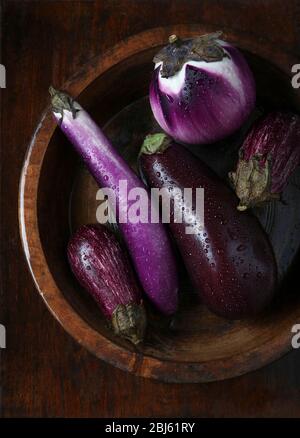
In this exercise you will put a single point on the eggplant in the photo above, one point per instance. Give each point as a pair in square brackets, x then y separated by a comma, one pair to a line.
[229, 259]
[103, 269]
[202, 89]
[267, 158]
[148, 243]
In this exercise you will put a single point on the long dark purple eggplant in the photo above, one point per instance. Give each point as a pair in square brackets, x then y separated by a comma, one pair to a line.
[102, 267]
[230, 259]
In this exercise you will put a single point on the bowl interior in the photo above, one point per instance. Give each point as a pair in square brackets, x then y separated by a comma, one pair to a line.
[67, 198]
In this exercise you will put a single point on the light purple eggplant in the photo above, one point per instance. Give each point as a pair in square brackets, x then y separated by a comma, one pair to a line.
[148, 243]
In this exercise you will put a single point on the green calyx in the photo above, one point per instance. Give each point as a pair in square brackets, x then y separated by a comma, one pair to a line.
[252, 183]
[155, 144]
[61, 101]
[129, 322]
[203, 48]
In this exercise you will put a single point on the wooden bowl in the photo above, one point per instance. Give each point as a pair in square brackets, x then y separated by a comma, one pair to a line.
[57, 194]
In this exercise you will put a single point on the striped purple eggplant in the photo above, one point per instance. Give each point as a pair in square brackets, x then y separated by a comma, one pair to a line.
[267, 158]
[102, 267]
[202, 89]
[148, 243]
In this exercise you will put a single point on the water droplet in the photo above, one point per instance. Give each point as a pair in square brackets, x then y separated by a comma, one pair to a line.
[170, 98]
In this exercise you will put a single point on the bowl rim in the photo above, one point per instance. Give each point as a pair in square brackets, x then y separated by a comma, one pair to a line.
[72, 322]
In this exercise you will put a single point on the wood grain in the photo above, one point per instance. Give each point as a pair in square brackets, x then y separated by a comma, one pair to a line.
[44, 372]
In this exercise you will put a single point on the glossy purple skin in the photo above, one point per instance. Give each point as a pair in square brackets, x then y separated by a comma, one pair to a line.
[148, 244]
[276, 137]
[208, 108]
[102, 267]
[230, 261]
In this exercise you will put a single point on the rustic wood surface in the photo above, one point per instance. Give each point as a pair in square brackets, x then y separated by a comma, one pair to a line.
[44, 372]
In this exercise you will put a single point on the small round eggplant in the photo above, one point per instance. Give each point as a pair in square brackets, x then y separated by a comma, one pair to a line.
[202, 89]
[229, 258]
[102, 267]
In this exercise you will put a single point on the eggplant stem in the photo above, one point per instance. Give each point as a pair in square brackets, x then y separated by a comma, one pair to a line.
[155, 144]
[129, 322]
[62, 102]
[203, 48]
[173, 38]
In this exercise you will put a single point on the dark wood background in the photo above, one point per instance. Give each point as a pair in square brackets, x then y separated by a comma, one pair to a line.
[44, 372]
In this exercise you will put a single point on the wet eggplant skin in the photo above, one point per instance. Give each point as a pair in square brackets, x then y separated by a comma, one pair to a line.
[148, 243]
[230, 261]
